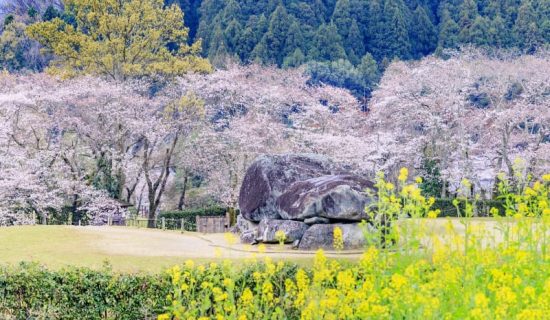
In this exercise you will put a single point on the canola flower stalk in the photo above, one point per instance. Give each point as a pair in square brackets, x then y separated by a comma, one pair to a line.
[469, 271]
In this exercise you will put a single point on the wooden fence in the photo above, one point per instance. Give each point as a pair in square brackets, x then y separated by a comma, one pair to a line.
[212, 224]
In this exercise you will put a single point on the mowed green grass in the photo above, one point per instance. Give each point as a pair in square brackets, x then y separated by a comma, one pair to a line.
[140, 250]
[60, 246]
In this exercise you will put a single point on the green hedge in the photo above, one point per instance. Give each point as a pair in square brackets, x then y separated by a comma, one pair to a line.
[30, 291]
[482, 207]
[174, 217]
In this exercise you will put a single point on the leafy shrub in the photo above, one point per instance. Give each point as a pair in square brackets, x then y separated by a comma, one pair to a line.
[30, 291]
[483, 207]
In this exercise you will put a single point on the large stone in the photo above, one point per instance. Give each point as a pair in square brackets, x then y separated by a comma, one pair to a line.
[247, 230]
[293, 230]
[335, 197]
[270, 175]
[321, 236]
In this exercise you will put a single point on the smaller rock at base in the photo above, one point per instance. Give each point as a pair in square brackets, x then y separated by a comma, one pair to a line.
[321, 236]
[293, 230]
[295, 244]
[248, 230]
[316, 220]
[248, 237]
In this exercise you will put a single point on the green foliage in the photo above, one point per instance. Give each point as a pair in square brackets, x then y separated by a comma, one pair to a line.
[17, 51]
[272, 45]
[482, 207]
[284, 33]
[327, 44]
[359, 80]
[327, 31]
[423, 33]
[432, 184]
[120, 39]
[30, 291]
[173, 217]
[448, 34]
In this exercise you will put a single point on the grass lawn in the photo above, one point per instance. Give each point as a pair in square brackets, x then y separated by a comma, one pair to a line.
[58, 246]
[133, 249]
[125, 249]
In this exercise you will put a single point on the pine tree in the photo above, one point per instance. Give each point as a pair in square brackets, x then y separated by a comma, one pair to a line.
[296, 59]
[246, 44]
[448, 34]
[479, 32]
[231, 11]
[498, 34]
[353, 43]
[468, 15]
[218, 50]
[369, 71]
[208, 12]
[396, 42]
[294, 39]
[423, 33]
[232, 34]
[260, 53]
[121, 39]
[526, 30]
[274, 39]
[342, 18]
[375, 29]
[327, 45]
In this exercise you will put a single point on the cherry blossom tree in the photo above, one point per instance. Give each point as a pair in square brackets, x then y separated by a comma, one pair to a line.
[95, 134]
[253, 110]
[472, 113]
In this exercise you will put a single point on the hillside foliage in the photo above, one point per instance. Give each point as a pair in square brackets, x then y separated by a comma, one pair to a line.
[346, 43]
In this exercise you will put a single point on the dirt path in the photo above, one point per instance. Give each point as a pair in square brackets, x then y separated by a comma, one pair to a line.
[158, 243]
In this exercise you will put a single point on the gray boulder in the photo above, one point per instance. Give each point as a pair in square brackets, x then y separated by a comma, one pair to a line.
[321, 236]
[335, 197]
[247, 230]
[269, 177]
[294, 230]
[316, 220]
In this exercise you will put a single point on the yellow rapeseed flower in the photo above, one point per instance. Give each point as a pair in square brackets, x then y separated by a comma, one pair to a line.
[261, 248]
[398, 281]
[247, 297]
[403, 174]
[338, 241]
[189, 264]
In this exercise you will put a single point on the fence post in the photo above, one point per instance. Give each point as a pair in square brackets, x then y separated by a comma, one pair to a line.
[182, 225]
[163, 220]
[79, 222]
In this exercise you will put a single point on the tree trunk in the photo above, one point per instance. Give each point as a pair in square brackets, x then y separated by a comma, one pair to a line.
[181, 201]
[74, 209]
[156, 189]
[152, 213]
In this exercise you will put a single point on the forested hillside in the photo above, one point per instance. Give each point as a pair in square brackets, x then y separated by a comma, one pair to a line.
[290, 32]
[347, 43]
